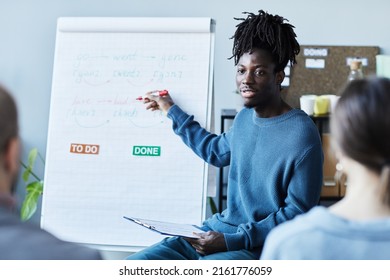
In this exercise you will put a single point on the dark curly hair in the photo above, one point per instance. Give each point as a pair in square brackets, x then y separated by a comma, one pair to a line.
[266, 31]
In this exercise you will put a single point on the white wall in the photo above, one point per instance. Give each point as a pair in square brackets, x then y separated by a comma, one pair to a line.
[27, 38]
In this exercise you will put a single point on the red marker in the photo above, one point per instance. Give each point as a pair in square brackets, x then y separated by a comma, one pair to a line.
[159, 93]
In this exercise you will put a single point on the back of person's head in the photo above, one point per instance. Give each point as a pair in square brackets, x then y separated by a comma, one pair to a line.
[269, 32]
[360, 126]
[8, 119]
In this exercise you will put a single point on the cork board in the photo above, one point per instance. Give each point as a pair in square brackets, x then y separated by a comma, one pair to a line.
[324, 70]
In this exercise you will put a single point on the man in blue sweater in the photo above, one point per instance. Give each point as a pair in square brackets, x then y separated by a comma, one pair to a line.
[274, 151]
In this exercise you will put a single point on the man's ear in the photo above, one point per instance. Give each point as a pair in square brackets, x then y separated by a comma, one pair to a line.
[280, 77]
[12, 156]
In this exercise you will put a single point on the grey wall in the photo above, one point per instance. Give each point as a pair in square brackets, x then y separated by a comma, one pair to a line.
[27, 38]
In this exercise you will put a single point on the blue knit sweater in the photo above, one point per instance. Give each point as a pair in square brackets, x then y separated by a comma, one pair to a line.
[275, 171]
[322, 235]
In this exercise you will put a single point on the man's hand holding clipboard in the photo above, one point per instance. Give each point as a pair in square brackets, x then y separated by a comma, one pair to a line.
[204, 242]
[208, 242]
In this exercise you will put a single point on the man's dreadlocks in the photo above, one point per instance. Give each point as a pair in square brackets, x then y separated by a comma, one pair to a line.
[266, 31]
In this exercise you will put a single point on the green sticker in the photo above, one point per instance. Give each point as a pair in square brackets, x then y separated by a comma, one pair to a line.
[148, 151]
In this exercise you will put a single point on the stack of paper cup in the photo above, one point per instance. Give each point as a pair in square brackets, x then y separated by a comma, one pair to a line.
[383, 65]
[321, 105]
[332, 101]
[307, 103]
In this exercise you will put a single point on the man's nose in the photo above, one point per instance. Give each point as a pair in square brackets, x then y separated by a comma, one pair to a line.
[248, 78]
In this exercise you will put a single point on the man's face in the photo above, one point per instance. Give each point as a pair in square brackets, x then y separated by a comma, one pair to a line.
[255, 78]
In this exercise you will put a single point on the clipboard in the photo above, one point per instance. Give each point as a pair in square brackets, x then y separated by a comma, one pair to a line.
[166, 228]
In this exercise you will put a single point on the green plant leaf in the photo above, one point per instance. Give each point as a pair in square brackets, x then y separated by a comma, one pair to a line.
[32, 156]
[29, 206]
[213, 207]
[26, 174]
